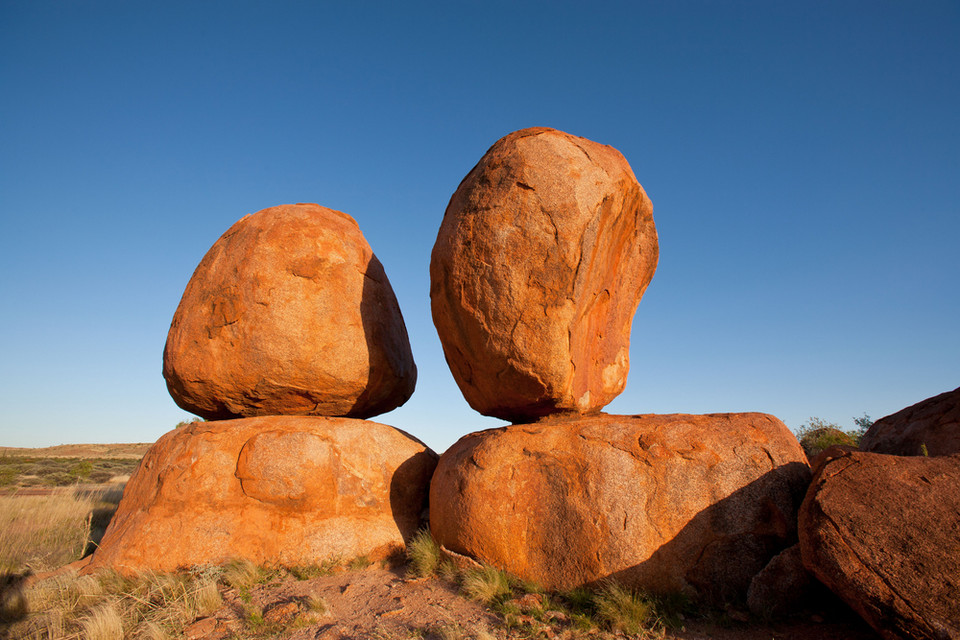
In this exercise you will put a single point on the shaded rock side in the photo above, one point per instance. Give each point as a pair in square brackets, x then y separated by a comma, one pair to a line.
[289, 313]
[784, 587]
[667, 503]
[933, 423]
[545, 250]
[883, 533]
[274, 490]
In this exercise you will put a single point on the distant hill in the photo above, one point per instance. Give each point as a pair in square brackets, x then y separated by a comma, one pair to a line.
[123, 450]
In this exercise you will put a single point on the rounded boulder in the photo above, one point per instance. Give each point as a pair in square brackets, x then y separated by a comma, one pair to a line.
[289, 313]
[694, 504]
[274, 490]
[544, 252]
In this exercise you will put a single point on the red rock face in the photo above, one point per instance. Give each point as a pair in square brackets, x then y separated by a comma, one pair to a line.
[275, 490]
[543, 255]
[933, 423]
[883, 533]
[665, 503]
[289, 313]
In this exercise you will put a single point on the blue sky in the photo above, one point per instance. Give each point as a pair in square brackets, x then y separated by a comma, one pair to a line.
[803, 160]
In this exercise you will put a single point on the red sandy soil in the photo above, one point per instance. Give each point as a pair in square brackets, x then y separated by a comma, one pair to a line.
[384, 604]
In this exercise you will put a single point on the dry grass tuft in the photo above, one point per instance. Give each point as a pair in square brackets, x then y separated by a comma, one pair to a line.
[623, 610]
[241, 574]
[488, 585]
[103, 623]
[424, 554]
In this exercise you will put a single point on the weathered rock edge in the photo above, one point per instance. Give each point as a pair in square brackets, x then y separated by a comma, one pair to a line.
[274, 490]
[883, 533]
[544, 252]
[668, 503]
[931, 425]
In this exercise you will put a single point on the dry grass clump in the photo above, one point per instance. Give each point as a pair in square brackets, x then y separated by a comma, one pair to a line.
[424, 555]
[102, 623]
[108, 605]
[487, 584]
[44, 532]
[623, 610]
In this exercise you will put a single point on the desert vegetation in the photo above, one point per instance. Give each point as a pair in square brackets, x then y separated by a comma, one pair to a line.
[528, 611]
[107, 605]
[25, 471]
[816, 434]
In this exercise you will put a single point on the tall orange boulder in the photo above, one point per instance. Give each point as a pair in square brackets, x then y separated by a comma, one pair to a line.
[273, 490]
[697, 504]
[545, 250]
[931, 426]
[883, 533]
[289, 313]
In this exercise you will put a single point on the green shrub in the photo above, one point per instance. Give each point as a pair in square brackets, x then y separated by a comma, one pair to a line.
[817, 435]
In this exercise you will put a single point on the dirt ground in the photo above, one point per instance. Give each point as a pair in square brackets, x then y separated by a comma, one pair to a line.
[384, 604]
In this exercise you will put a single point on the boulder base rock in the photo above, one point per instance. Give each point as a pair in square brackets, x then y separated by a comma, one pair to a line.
[883, 533]
[666, 503]
[783, 587]
[544, 253]
[933, 423]
[289, 313]
[275, 490]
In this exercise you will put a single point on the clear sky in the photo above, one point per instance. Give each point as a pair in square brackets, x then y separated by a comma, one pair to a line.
[803, 159]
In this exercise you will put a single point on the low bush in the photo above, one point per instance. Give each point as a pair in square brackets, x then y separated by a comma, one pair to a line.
[816, 435]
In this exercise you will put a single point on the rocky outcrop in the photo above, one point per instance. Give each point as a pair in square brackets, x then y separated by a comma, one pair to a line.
[883, 533]
[544, 253]
[274, 490]
[666, 503]
[931, 426]
[289, 313]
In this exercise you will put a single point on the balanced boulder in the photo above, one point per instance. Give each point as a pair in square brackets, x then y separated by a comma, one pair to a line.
[930, 427]
[544, 253]
[883, 533]
[289, 313]
[696, 504]
[273, 490]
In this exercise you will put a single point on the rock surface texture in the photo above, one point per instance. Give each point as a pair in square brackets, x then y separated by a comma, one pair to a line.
[666, 503]
[544, 253]
[274, 490]
[933, 423]
[289, 313]
[883, 533]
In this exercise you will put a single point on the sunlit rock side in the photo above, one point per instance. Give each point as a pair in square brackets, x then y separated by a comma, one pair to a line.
[289, 313]
[544, 252]
[696, 504]
[274, 490]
